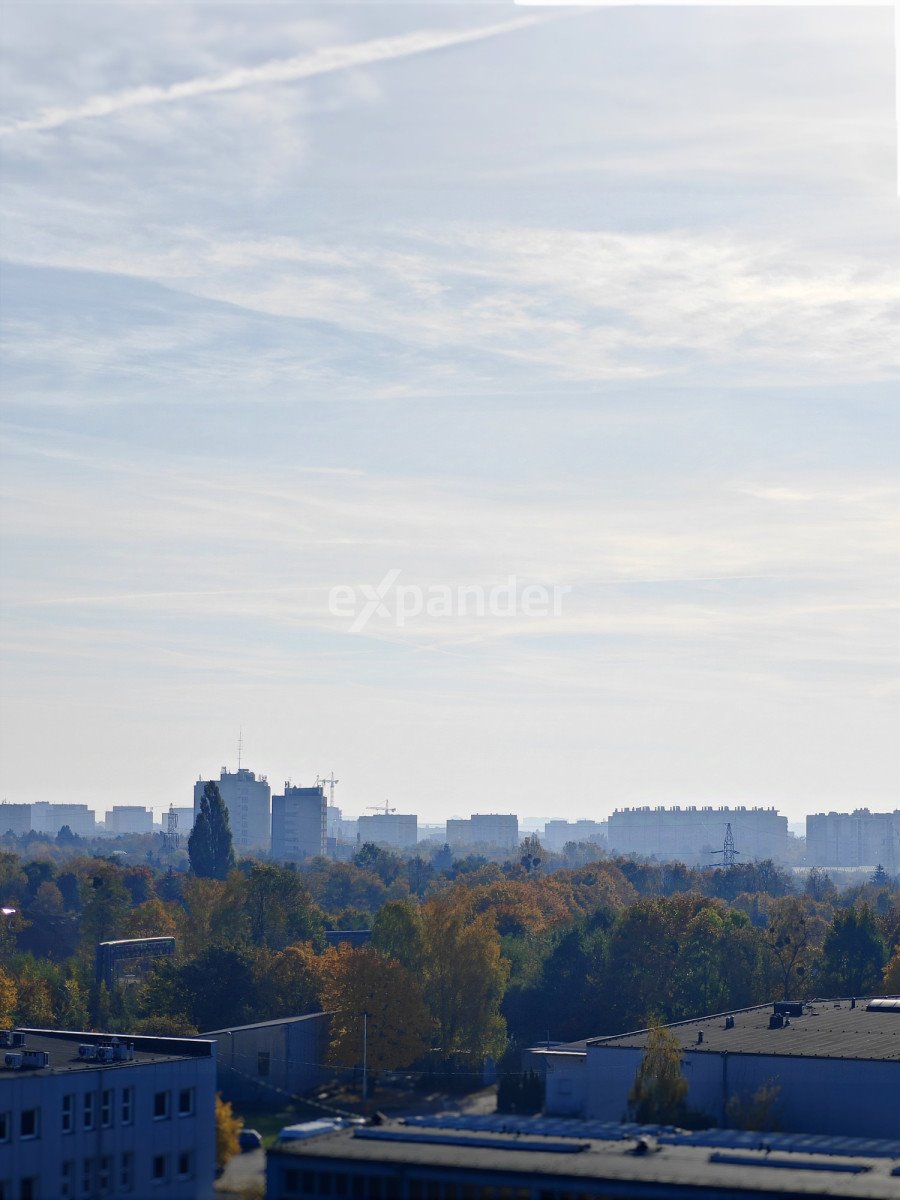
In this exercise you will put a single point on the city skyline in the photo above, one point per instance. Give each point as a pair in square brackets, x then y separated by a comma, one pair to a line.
[289, 310]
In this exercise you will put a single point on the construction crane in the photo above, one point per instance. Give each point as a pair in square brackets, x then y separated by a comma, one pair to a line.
[381, 809]
[331, 785]
[728, 851]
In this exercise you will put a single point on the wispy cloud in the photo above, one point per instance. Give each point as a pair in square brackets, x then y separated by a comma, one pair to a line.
[323, 61]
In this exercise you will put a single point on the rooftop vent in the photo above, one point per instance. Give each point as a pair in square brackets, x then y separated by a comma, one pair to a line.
[887, 1004]
[789, 1008]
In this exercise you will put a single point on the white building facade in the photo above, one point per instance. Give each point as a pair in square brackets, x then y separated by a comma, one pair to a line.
[140, 1126]
[399, 831]
[248, 799]
[856, 839]
[695, 834]
[495, 831]
[299, 823]
[129, 818]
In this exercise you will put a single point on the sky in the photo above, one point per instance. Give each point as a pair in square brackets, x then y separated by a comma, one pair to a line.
[298, 298]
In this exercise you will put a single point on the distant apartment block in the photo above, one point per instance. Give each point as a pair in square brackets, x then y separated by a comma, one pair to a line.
[50, 818]
[498, 831]
[299, 823]
[87, 1115]
[856, 839]
[185, 815]
[692, 835]
[15, 818]
[557, 833]
[399, 831]
[248, 800]
[129, 818]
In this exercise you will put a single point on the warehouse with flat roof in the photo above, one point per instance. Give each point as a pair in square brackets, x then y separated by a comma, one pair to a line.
[835, 1063]
[509, 1158]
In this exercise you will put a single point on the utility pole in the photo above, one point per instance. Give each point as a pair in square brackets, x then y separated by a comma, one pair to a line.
[365, 1078]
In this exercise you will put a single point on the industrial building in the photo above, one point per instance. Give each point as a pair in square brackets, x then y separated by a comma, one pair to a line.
[248, 800]
[129, 818]
[259, 1061]
[856, 839]
[694, 835]
[558, 833]
[836, 1063]
[519, 1158]
[398, 831]
[84, 1114]
[299, 823]
[496, 831]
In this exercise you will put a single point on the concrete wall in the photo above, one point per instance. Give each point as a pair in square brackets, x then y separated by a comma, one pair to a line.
[255, 1060]
[853, 1097]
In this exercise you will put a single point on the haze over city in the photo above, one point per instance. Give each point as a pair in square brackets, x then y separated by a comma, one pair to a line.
[288, 308]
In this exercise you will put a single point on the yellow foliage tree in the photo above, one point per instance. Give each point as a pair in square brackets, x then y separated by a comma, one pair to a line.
[153, 918]
[660, 1089]
[464, 975]
[892, 973]
[358, 981]
[228, 1126]
[8, 997]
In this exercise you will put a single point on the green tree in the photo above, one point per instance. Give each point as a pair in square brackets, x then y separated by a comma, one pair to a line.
[104, 906]
[787, 939]
[659, 1093]
[280, 908]
[397, 932]
[210, 847]
[854, 952]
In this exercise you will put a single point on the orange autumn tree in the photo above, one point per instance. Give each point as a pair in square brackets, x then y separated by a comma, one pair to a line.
[357, 981]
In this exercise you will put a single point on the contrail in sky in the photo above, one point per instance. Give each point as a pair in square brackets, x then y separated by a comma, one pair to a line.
[323, 61]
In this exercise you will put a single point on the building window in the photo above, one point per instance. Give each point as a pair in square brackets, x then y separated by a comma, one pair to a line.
[185, 1165]
[127, 1105]
[160, 1167]
[186, 1102]
[160, 1106]
[126, 1171]
[87, 1177]
[106, 1102]
[291, 1182]
[104, 1177]
[68, 1113]
[4, 1126]
[28, 1189]
[29, 1123]
[67, 1179]
[88, 1110]
[263, 1059]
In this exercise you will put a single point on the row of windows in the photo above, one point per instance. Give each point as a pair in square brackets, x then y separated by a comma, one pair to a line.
[383, 1187]
[102, 1176]
[96, 1107]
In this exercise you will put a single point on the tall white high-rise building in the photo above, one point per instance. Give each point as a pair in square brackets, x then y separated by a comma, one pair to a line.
[248, 800]
[299, 823]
